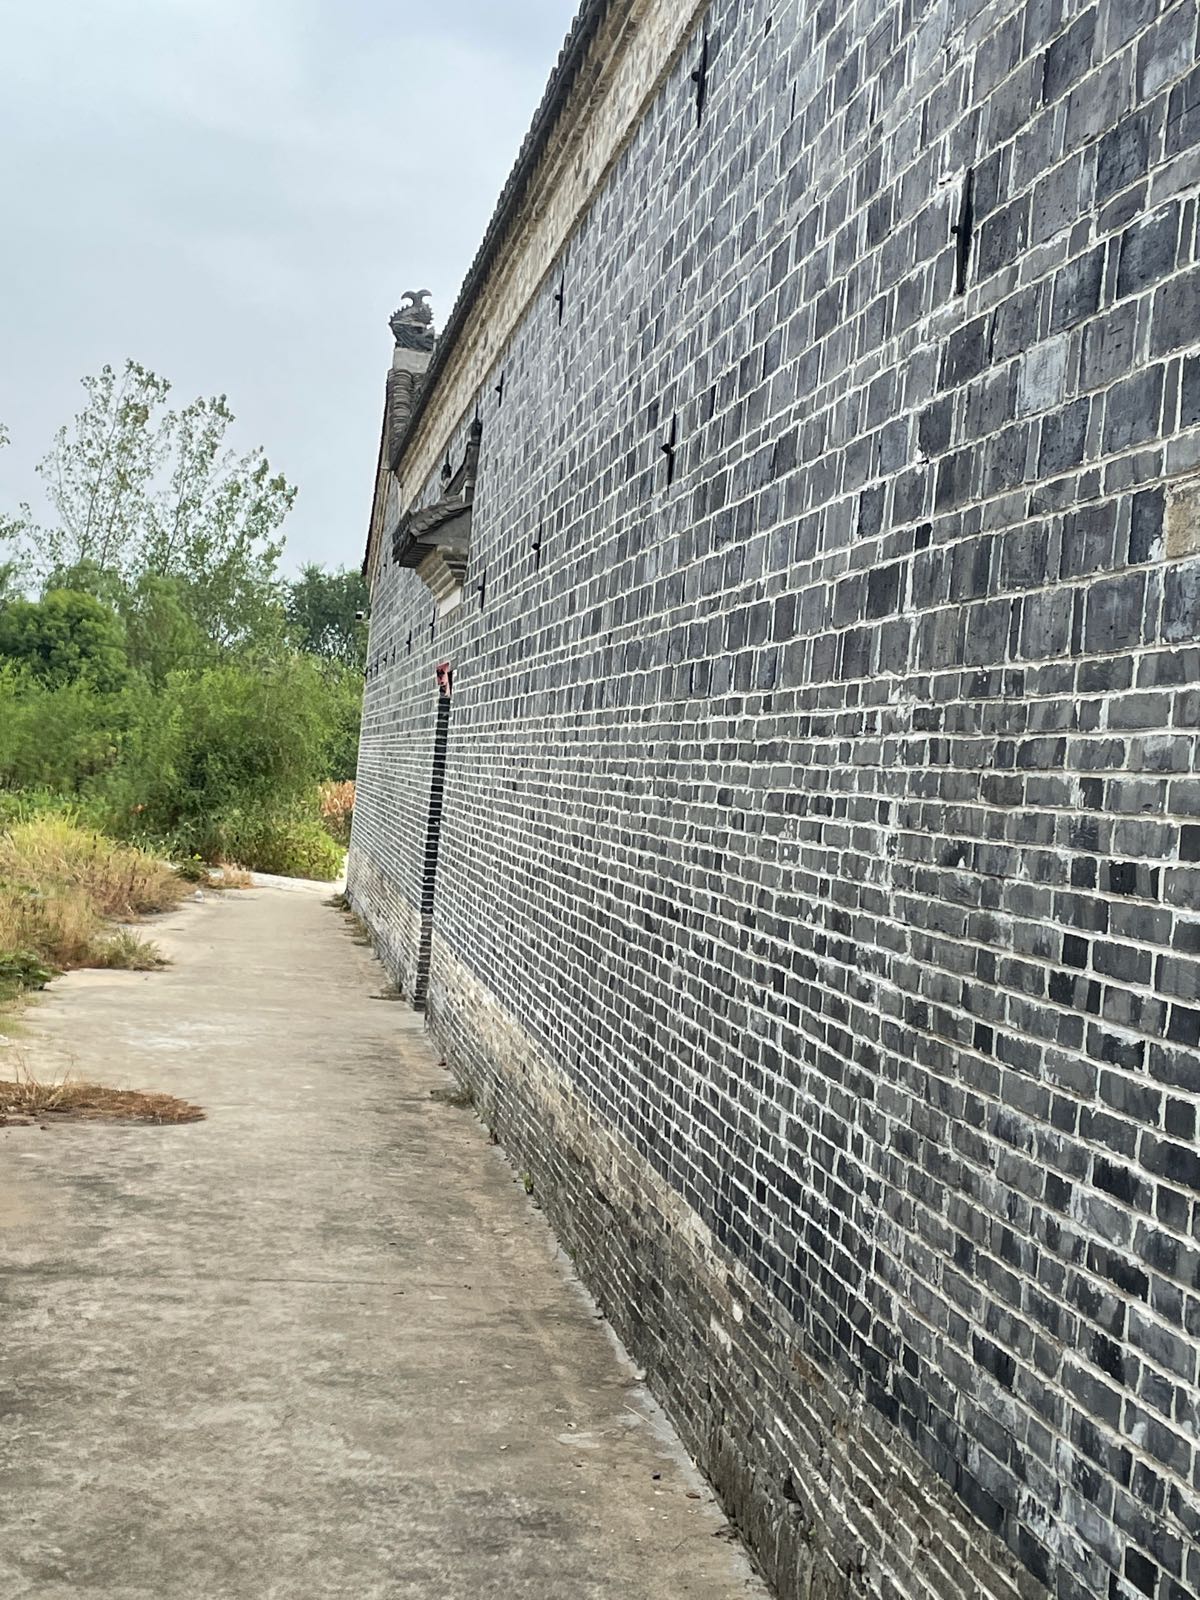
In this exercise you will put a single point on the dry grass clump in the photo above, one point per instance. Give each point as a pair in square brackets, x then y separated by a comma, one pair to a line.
[230, 876]
[205, 875]
[337, 809]
[28, 1099]
[59, 922]
[61, 885]
[118, 879]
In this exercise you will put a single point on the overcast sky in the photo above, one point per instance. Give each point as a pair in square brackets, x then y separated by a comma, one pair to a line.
[236, 193]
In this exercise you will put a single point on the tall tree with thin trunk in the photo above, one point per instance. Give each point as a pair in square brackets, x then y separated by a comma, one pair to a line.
[141, 491]
[100, 473]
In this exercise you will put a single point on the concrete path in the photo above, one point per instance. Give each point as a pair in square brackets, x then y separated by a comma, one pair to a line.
[321, 1344]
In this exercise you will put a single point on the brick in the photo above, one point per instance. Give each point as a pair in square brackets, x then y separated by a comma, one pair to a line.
[1063, 439]
[1115, 613]
[1183, 115]
[1133, 410]
[1166, 51]
[966, 352]
[1190, 393]
[1109, 344]
[1181, 602]
[1146, 251]
[1077, 290]
[1069, 57]
[1146, 524]
[1043, 376]
[1176, 317]
[1183, 520]
[1123, 155]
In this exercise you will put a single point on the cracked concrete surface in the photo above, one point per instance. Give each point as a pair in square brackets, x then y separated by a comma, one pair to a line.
[320, 1344]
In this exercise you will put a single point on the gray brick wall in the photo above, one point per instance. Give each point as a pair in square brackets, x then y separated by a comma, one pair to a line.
[817, 904]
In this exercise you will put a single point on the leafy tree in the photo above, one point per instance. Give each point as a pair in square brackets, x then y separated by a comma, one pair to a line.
[65, 638]
[13, 534]
[213, 526]
[233, 737]
[10, 579]
[54, 739]
[161, 628]
[101, 471]
[324, 612]
[140, 491]
[168, 684]
[86, 577]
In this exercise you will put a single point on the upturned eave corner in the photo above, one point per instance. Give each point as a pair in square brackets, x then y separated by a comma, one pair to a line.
[434, 541]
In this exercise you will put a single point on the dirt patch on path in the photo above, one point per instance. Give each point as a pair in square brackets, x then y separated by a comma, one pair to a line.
[29, 1101]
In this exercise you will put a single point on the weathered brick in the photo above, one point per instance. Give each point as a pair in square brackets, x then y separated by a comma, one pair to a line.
[1069, 57]
[1077, 290]
[1123, 155]
[1147, 250]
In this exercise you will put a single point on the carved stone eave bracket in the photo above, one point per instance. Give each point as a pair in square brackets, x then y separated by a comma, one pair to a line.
[435, 542]
[442, 576]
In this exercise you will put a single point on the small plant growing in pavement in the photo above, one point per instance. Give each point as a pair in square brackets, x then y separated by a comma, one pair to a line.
[192, 869]
[128, 952]
[456, 1095]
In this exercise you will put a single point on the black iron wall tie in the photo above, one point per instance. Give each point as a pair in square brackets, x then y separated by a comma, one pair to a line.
[500, 391]
[963, 228]
[700, 79]
[670, 450]
[560, 296]
[537, 549]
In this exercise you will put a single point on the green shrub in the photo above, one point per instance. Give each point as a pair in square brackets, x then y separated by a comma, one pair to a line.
[65, 638]
[23, 805]
[234, 738]
[21, 970]
[289, 844]
[223, 761]
[54, 737]
[192, 868]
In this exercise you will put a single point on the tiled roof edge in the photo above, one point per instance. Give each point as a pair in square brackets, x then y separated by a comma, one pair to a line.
[583, 30]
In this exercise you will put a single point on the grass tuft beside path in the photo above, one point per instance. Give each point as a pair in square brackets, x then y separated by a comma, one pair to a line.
[61, 886]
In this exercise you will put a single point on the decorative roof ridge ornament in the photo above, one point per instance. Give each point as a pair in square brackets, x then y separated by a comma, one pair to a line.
[412, 324]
